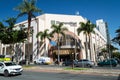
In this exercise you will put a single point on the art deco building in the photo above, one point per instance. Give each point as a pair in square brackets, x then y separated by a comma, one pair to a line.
[72, 45]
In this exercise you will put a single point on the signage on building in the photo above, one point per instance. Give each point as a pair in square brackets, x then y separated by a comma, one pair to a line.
[73, 24]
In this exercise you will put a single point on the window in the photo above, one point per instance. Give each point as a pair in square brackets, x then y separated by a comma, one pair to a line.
[10, 64]
[67, 40]
[1, 64]
[52, 22]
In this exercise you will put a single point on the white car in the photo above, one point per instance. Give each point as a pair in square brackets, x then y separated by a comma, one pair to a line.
[8, 68]
[85, 63]
[43, 60]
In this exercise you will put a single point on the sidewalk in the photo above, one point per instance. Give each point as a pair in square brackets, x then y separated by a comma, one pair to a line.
[114, 72]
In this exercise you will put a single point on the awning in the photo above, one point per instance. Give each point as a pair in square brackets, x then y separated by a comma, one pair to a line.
[63, 52]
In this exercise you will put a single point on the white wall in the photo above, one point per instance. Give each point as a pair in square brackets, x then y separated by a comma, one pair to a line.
[44, 22]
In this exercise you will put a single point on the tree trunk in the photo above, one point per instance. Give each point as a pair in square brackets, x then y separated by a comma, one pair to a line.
[58, 50]
[86, 44]
[90, 47]
[28, 37]
[44, 47]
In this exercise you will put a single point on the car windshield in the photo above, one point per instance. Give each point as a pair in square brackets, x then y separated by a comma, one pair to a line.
[10, 64]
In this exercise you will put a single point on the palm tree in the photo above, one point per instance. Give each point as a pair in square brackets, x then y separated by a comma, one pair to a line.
[1, 26]
[43, 35]
[10, 36]
[11, 22]
[59, 30]
[3, 34]
[28, 8]
[87, 28]
[7, 33]
[2, 29]
[112, 48]
[117, 38]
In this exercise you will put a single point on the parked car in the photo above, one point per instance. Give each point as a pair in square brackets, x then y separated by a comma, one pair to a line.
[43, 60]
[5, 58]
[69, 62]
[118, 60]
[84, 63]
[8, 68]
[108, 62]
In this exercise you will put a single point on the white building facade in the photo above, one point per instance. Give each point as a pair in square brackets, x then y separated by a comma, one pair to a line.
[101, 26]
[72, 45]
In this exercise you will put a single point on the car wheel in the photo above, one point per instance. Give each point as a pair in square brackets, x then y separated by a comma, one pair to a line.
[63, 64]
[100, 65]
[88, 65]
[35, 62]
[114, 65]
[6, 73]
[20, 73]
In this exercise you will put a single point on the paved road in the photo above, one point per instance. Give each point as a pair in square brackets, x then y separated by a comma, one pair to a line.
[37, 75]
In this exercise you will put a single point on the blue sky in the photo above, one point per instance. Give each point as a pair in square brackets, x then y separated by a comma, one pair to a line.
[108, 10]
